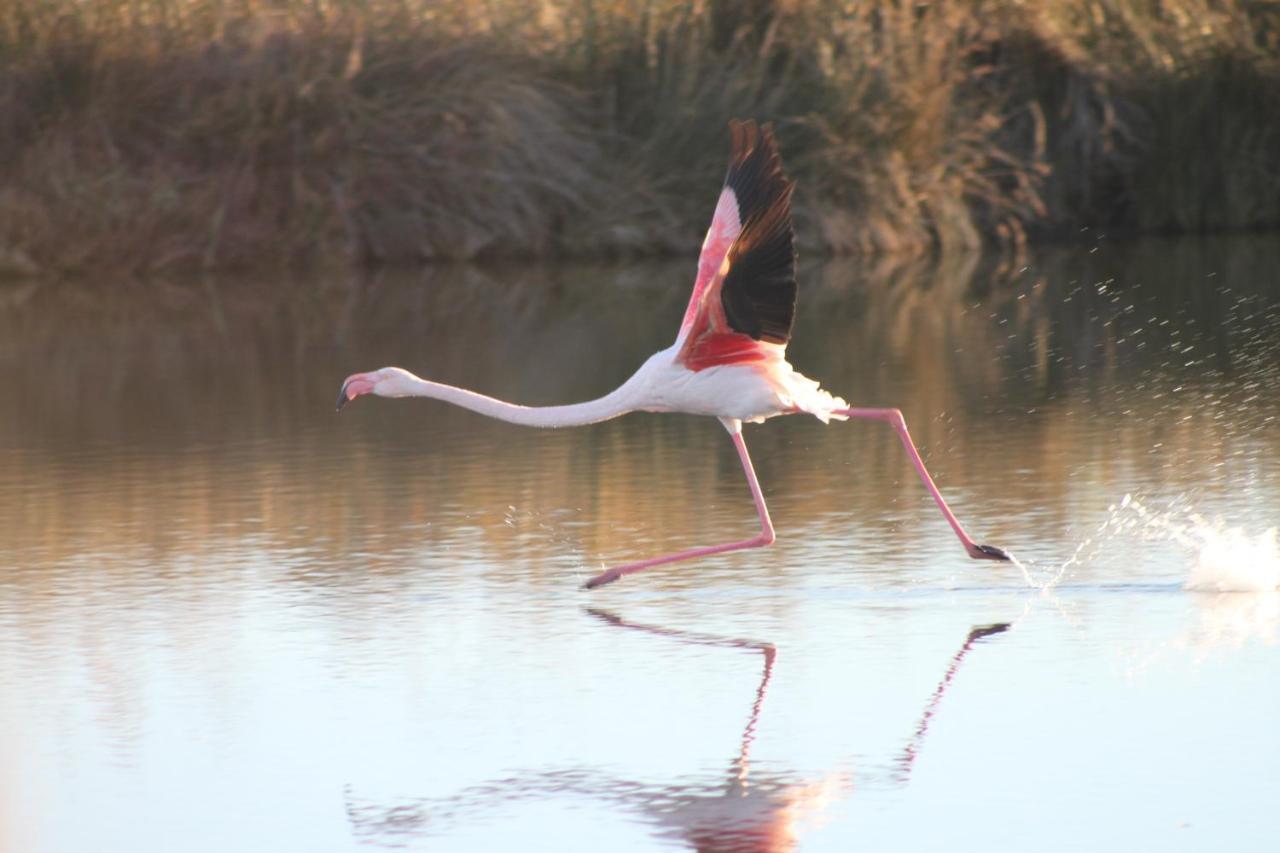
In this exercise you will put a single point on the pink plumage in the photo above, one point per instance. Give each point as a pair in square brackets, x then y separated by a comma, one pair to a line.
[729, 358]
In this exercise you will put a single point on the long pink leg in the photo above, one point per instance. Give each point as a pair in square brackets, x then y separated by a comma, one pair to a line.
[765, 536]
[894, 418]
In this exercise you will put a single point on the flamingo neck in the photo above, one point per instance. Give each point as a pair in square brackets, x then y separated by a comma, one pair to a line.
[611, 405]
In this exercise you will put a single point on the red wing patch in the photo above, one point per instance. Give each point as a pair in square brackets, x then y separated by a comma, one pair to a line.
[716, 348]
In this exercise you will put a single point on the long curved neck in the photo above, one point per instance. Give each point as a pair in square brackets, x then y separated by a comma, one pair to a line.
[611, 405]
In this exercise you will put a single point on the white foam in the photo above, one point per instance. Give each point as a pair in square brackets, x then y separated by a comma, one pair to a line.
[1226, 559]
[1232, 561]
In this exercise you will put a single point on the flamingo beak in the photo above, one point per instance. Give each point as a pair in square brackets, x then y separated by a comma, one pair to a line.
[355, 385]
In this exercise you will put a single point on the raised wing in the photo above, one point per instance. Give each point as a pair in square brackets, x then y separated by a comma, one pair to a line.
[745, 294]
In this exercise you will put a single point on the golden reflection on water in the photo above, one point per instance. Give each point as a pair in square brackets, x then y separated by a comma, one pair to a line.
[167, 419]
[171, 418]
[166, 424]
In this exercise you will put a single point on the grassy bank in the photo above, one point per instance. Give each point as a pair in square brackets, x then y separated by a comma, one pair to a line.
[157, 134]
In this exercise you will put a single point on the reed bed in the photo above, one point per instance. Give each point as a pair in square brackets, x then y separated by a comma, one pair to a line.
[144, 135]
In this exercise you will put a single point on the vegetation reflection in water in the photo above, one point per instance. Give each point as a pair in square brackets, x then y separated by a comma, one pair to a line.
[207, 392]
[193, 540]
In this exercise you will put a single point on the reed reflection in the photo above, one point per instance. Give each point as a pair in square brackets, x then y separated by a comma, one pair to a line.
[184, 414]
[761, 811]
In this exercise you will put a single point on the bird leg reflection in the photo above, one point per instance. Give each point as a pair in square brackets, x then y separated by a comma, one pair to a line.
[767, 816]
[912, 749]
[770, 652]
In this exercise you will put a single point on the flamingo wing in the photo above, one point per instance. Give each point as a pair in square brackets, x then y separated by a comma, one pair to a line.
[744, 298]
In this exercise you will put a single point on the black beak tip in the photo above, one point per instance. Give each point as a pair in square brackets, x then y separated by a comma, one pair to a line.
[342, 398]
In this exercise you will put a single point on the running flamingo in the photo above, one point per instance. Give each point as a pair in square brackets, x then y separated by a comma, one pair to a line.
[729, 359]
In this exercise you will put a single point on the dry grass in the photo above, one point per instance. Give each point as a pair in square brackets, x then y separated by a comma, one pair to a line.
[225, 141]
[153, 134]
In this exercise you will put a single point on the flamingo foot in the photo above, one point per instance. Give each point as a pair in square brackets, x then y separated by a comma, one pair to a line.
[602, 579]
[989, 552]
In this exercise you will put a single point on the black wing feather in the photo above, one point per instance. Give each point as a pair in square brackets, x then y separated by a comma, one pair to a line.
[759, 289]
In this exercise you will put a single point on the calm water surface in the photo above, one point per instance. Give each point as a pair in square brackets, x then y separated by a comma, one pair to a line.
[233, 620]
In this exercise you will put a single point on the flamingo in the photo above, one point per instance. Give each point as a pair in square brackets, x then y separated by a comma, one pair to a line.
[729, 358]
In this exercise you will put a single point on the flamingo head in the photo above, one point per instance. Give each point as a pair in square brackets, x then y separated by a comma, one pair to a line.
[386, 382]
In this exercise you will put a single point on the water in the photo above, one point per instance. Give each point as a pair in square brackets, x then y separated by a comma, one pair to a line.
[233, 620]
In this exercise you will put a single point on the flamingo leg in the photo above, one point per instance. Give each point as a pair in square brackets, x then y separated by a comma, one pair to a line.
[894, 418]
[765, 537]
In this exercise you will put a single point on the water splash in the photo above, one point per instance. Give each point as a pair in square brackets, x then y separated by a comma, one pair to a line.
[1231, 561]
[1221, 558]
[1236, 576]
[1030, 568]
[1227, 559]
[1052, 576]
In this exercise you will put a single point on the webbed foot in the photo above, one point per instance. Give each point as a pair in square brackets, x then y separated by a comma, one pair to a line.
[989, 552]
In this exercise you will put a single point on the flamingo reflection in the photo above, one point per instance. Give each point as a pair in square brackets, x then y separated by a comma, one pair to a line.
[767, 650]
[764, 812]
[908, 758]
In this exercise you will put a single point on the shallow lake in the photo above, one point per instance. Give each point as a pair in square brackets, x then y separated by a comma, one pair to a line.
[231, 619]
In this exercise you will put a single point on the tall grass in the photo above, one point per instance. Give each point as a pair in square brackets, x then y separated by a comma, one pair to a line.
[152, 134]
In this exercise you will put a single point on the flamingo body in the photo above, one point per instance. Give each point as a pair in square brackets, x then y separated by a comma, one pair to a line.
[749, 390]
[729, 358]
